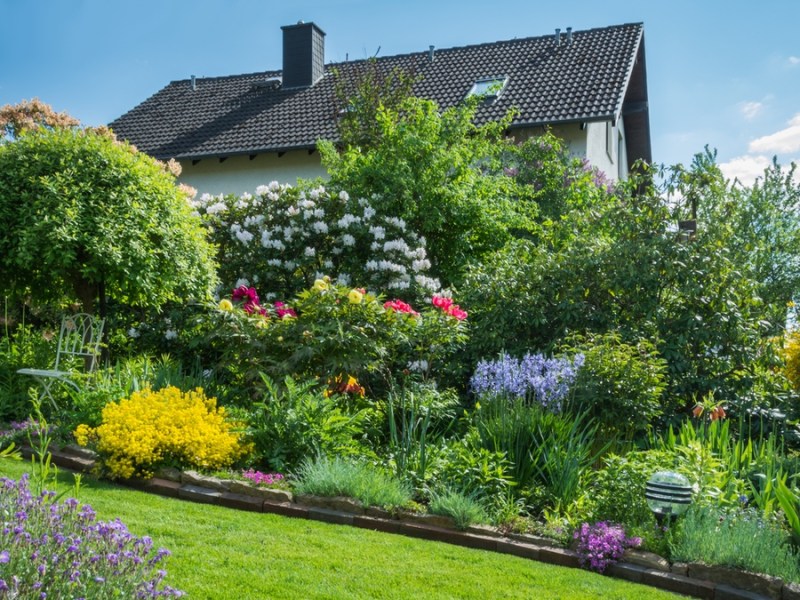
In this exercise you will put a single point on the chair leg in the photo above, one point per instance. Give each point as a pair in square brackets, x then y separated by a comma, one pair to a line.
[46, 392]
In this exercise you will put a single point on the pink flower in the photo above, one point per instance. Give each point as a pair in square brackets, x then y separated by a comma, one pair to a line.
[284, 310]
[447, 306]
[247, 294]
[400, 306]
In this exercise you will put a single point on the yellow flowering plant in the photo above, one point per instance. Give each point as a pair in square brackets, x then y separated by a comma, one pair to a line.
[165, 427]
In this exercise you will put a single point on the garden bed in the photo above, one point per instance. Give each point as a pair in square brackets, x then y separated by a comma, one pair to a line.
[692, 579]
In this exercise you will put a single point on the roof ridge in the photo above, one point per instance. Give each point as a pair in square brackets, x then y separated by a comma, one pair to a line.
[278, 72]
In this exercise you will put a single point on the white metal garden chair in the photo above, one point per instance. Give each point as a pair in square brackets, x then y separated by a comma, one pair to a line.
[78, 347]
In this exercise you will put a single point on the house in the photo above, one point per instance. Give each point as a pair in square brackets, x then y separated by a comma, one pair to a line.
[233, 133]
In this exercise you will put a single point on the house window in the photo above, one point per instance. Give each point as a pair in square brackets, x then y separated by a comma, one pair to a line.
[489, 89]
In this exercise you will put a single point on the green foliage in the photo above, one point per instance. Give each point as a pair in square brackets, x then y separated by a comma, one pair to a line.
[616, 490]
[283, 237]
[739, 539]
[296, 420]
[82, 214]
[551, 450]
[22, 348]
[435, 170]
[617, 264]
[463, 509]
[476, 472]
[620, 385]
[332, 336]
[325, 476]
[361, 90]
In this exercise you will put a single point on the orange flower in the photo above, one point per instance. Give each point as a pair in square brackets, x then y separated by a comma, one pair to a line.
[717, 413]
[698, 411]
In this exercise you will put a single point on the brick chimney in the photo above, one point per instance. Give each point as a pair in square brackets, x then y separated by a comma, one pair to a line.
[303, 55]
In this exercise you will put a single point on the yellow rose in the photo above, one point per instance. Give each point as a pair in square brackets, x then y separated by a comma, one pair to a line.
[225, 304]
[320, 285]
[355, 297]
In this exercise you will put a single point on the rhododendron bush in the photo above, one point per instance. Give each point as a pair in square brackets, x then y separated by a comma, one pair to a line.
[282, 238]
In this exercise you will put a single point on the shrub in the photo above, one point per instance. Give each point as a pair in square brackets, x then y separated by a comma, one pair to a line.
[602, 544]
[296, 420]
[735, 538]
[287, 237]
[21, 348]
[791, 353]
[465, 510]
[616, 490]
[332, 331]
[620, 385]
[475, 471]
[545, 449]
[82, 215]
[168, 427]
[58, 550]
[337, 476]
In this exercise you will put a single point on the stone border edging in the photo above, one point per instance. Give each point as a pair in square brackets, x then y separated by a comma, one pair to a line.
[694, 579]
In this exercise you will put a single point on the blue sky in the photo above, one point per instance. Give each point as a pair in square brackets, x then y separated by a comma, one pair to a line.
[720, 73]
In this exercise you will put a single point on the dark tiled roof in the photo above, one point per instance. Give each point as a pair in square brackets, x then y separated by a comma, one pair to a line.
[587, 80]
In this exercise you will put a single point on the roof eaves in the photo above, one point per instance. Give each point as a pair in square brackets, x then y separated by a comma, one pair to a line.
[620, 101]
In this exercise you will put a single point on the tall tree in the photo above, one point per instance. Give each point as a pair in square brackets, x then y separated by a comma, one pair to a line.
[83, 215]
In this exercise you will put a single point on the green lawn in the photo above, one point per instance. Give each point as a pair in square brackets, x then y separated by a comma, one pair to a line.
[220, 553]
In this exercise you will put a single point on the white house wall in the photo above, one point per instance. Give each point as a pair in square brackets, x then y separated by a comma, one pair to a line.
[239, 174]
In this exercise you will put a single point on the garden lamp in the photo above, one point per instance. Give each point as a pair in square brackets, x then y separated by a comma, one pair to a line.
[668, 494]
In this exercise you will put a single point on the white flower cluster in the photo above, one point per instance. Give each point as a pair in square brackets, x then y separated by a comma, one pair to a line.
[288, 234]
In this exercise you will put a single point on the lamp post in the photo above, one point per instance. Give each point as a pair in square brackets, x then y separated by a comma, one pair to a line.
[668, 494]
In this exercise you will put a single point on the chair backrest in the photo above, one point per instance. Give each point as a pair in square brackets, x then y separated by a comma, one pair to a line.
[80, 337]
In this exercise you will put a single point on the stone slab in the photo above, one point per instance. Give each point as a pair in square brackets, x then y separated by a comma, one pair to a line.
[163, 487]
[678, 583]
[791, 591]
[770, 587]
[516, 548]
[376, 524]
[196, 493]
[241, 502]
[286, 509]
[627, 571]
[559, 556]
[727, 592]
[330, 516]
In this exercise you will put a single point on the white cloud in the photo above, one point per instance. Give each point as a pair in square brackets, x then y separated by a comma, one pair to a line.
[745, 168]
[794, 61]
[785, 140]
[750, 110]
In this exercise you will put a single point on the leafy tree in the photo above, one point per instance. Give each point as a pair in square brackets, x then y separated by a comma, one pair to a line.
[621, 264]
[362, 89]
[30, 115]
[438, 172]
[83, 216]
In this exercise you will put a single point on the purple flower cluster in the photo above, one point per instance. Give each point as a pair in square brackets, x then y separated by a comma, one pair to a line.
[58, 550]
[534, 377]
[260, 478]
[602, 544]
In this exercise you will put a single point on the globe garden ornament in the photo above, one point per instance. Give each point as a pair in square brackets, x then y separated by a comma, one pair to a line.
[668, 494]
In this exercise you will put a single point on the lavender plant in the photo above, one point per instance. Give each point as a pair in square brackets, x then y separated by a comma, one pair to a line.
[58, 550]
[534, 378]
[602, 544]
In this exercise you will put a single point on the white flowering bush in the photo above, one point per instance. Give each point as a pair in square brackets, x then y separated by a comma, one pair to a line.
[282, 238]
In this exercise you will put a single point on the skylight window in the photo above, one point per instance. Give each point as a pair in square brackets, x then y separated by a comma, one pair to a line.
[489, 89]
